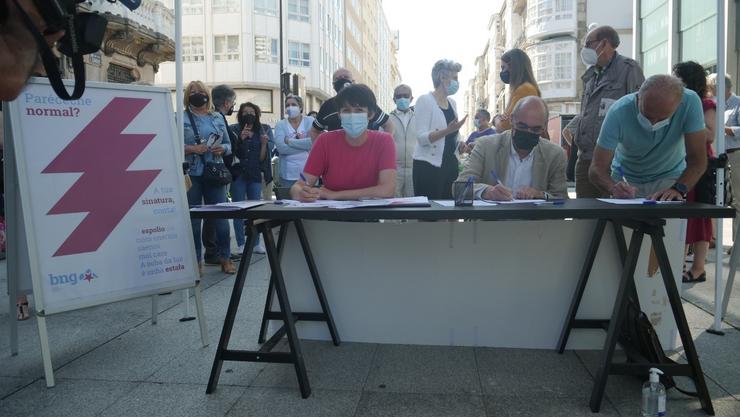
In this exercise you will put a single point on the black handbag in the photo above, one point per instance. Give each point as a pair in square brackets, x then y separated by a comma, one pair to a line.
[706, 188]
[214, 172]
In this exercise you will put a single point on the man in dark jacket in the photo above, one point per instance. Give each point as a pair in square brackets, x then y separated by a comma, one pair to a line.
[609, 77]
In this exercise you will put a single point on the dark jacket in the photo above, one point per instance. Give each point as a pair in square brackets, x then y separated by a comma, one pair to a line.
[247, 156]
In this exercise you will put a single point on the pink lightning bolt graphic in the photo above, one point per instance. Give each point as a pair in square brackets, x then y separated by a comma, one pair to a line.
[106, 190]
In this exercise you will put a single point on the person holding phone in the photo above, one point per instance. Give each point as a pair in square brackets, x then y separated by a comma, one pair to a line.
[202, 125]
[247, 168]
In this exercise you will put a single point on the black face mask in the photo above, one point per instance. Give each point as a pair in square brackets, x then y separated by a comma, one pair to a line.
[505, 76]
[524, 140]
[198, 99]
[249, 119]
[340, 84]
[231, 111]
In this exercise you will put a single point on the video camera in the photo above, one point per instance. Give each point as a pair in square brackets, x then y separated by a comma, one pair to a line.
[84, 33]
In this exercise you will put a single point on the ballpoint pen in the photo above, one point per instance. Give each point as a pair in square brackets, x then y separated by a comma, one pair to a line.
[495, 177]
[620, 172]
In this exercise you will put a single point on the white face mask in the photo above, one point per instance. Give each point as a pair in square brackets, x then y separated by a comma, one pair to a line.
[645, 123]
[293, 111]
[589, 57]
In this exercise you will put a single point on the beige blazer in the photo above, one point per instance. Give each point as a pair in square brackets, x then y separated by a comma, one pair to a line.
[492, 153]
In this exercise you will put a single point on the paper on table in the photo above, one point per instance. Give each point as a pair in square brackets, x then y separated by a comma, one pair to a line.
[633, 201]
[476, 203]
[346, 204]
[522, 201]
[229, 206]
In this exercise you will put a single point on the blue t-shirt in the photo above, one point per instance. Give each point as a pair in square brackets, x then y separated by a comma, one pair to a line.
[475, 135]
[647, 156]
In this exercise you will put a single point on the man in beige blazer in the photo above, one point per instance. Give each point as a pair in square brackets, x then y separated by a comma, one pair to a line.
[518, 164]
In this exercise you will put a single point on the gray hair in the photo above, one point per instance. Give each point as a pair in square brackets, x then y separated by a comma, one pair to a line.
[712, 81]
[608, 33]
[529, 99]
[400, 86]
[663, 83]
[222, 93]
[443, 67]
[296, 98]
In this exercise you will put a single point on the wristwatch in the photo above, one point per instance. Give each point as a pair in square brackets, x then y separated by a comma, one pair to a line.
[681, 188]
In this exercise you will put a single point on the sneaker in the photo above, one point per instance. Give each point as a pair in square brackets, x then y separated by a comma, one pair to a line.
[260, 248]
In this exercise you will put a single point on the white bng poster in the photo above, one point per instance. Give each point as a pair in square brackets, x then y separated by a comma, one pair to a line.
[102, 189]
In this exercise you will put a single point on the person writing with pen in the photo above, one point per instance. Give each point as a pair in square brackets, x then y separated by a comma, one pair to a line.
[353, 162]
[518, 163]
[652, 143]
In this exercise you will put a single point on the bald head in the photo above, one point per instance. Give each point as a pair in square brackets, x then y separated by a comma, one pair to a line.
[532, 111]
[342, 74]
[660, 96]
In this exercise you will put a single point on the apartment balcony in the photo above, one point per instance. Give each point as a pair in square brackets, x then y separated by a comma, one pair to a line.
[145, 34]
[555, 64]
[551, 18]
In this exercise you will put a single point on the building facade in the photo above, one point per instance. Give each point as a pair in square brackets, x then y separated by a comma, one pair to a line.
[135, 43]
[551, 32]
[371, 49]
[237, 42]
[672, 31]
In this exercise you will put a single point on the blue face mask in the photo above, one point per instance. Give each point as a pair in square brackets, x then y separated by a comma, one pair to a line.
[403, 103]
[354, 123]
[645, 123]
[452, 89]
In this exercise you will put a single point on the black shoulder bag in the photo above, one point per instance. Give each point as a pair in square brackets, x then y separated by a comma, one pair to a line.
[214, 173]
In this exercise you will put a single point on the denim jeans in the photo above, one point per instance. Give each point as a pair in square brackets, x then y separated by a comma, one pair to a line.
[241, 188]
[202, 193]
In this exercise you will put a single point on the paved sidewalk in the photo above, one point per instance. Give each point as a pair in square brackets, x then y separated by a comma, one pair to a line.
[110, 361]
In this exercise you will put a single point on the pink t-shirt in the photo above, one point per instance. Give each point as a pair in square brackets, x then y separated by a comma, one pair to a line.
[346, 167]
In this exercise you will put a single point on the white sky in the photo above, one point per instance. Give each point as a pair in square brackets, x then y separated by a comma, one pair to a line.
[432, 30]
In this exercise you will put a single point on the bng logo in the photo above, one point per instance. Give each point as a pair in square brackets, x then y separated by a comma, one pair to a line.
[72, 279]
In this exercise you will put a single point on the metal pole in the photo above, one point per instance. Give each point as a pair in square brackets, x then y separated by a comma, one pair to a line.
[282, 65]
[720, 140]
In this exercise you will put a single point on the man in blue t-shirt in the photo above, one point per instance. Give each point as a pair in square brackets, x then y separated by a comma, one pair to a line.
[652, 143]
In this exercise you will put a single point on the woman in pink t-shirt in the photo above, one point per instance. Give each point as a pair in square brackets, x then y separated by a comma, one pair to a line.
[353, 162]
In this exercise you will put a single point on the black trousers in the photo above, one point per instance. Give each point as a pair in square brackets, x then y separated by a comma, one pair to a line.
[435, 182]
[210, 249]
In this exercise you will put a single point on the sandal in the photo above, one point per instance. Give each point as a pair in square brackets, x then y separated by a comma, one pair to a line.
[688, 277]
[21, 311]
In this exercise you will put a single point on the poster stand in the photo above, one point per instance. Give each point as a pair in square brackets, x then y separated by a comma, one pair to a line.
[24, 223]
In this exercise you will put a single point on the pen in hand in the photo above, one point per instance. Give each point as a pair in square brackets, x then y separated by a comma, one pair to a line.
[495, 177]
[620, 172]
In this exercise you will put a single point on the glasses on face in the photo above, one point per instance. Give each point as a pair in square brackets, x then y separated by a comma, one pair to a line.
[528, 128]
[588, 43]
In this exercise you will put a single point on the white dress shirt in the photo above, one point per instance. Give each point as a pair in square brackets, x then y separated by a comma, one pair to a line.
[519, 171]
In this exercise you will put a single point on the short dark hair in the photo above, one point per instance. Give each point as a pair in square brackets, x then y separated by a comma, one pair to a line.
[221, 93]
[693, 76]
[485, 113]
[358, 95]
[608, 33]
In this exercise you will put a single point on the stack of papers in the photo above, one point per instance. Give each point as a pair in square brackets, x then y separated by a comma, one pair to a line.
[346, 204]
[229, 206]
[628, 201]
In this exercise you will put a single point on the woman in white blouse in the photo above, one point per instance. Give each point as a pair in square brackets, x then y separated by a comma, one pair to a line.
[293, 141]
[437, 126]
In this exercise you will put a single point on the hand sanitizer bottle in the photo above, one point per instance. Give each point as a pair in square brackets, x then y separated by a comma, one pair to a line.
[653, 395]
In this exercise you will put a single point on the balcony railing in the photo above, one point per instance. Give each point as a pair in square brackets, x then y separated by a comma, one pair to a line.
[153, 15]
[549, 18]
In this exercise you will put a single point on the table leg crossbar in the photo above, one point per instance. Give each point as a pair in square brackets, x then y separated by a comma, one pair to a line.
[276, 289]
[629, 256]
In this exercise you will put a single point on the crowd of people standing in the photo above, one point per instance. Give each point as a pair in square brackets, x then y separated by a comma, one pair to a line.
[635, 138]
